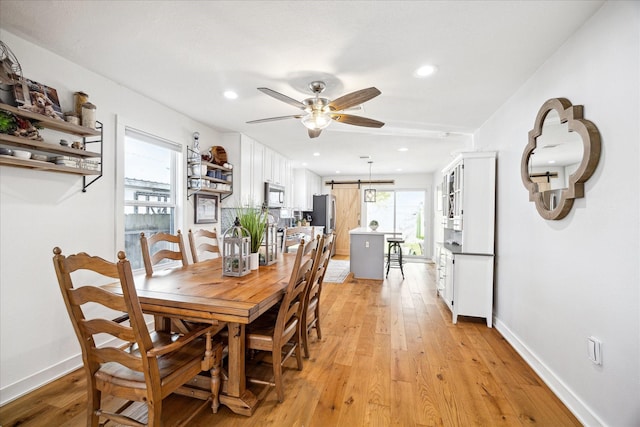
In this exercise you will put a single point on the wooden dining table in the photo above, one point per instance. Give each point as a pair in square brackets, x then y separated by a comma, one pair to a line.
[200, 293]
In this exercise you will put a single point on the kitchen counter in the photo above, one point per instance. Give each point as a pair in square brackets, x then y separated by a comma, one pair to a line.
[366, 230]
[366, 253]
[458, 250]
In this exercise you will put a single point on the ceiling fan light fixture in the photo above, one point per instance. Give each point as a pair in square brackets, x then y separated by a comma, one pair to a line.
[316, 120]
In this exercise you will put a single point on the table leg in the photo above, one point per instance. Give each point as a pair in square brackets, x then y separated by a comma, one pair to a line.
[237, 397]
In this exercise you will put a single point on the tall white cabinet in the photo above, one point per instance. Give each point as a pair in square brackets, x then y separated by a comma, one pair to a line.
[465, 260]
[256, 164]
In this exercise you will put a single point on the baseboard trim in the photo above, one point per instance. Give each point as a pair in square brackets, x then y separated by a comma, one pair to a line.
[39, 379]
[581, 411]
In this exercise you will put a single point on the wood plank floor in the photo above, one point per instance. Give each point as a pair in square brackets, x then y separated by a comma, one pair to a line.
[389, 356]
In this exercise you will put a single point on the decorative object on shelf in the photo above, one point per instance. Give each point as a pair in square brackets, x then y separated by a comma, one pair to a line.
[12, 124]
[89, 115]
[72, 117]
[235, 250]
[269, 248]
[373, 225]
[79, 98]
[369, 193]
[40, 99]
[218, 155]
[11, 79]
[205, 208]
[562, 153]
[195, 156]
[254, 220]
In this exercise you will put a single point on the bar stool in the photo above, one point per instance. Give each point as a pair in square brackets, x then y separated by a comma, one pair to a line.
[394, 254]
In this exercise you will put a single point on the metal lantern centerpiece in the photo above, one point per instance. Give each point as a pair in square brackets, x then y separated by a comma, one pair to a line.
[268, 253]
[236, 245]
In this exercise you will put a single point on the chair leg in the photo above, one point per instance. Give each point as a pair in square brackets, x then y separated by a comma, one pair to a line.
[317, 325]
[305, 341]
[277, 373]
[93, 406]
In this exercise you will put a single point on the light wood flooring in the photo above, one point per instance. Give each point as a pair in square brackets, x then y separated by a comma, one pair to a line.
[389, 356]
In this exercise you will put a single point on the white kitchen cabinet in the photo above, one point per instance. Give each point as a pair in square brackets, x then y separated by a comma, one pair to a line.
[306, 184]
[469, 201]
[257, 164]
[465, 264]
[466, 285]
[246, 156]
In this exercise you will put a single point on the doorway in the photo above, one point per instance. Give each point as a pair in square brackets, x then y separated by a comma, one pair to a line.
[402, 212]
[347, 216]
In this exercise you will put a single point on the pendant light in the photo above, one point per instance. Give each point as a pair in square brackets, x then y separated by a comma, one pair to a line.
[369, 193]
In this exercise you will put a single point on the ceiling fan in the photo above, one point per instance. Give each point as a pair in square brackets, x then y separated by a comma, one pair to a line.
[320, 111]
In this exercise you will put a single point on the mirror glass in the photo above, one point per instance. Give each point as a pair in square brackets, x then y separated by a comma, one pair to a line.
[562, 153]
[557, 155]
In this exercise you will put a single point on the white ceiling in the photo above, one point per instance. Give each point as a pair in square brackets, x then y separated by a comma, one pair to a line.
[185, 54]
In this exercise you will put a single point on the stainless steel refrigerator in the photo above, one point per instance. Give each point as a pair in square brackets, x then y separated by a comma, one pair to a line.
[324, 212]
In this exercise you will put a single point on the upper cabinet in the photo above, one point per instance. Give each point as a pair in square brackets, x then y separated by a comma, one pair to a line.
[255, 164]
[306, 184]
[82, 157]
[468, 192]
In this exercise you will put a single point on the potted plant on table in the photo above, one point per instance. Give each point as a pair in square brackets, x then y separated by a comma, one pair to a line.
[255, 221]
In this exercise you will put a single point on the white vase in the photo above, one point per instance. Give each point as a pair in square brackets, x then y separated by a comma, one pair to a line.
[254, 262]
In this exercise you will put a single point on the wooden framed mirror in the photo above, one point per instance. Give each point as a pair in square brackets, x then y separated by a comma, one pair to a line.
[561, 155]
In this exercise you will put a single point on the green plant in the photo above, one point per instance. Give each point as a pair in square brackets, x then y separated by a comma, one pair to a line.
[7, 122]
[255, 221]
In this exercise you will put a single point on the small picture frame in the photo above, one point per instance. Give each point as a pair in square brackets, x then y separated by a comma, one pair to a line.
[205, 208]
[38, 98]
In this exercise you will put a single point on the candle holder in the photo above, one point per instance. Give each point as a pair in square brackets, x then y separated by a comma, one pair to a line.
[268, 252]
[235, 251]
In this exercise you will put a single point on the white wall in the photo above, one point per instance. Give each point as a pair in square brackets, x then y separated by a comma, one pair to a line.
[558, 282]
[40, 210]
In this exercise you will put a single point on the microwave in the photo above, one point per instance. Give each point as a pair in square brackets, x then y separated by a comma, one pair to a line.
[273, 195]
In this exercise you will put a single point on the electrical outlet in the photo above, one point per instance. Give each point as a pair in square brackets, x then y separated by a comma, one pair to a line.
[366, 244]
[594, 349]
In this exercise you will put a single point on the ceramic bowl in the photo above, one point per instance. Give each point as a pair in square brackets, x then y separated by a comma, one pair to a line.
[5, 151]
[21, 154]
[41, 157]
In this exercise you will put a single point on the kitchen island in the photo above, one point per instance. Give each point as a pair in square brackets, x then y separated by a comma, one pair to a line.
[366, 253]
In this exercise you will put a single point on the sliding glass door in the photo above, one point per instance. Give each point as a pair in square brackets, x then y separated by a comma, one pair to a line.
[401, 212]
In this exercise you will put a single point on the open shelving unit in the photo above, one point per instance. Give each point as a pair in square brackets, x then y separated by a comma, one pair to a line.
[89, 137]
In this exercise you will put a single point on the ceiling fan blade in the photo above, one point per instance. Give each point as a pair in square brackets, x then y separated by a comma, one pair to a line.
[314, 133]
[273, 119]
[354, 98]
[283, 98]
[356, 120]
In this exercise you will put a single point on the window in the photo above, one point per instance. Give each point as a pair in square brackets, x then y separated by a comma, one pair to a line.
[150, 187]
[401, 211]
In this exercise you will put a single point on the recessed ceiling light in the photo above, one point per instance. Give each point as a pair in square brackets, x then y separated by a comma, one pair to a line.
[403, 149]
[316, 154]
[229, 94]
[337, 171]
[425, 70]
[552, 161]
[304, 163]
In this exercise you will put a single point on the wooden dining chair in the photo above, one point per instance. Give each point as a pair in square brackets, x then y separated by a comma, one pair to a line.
[203, 242]
[311, 313]
[148, 366]
[155, 248]
[279, 332]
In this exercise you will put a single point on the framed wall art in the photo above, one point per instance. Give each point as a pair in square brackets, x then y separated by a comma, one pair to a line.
[205, 208]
